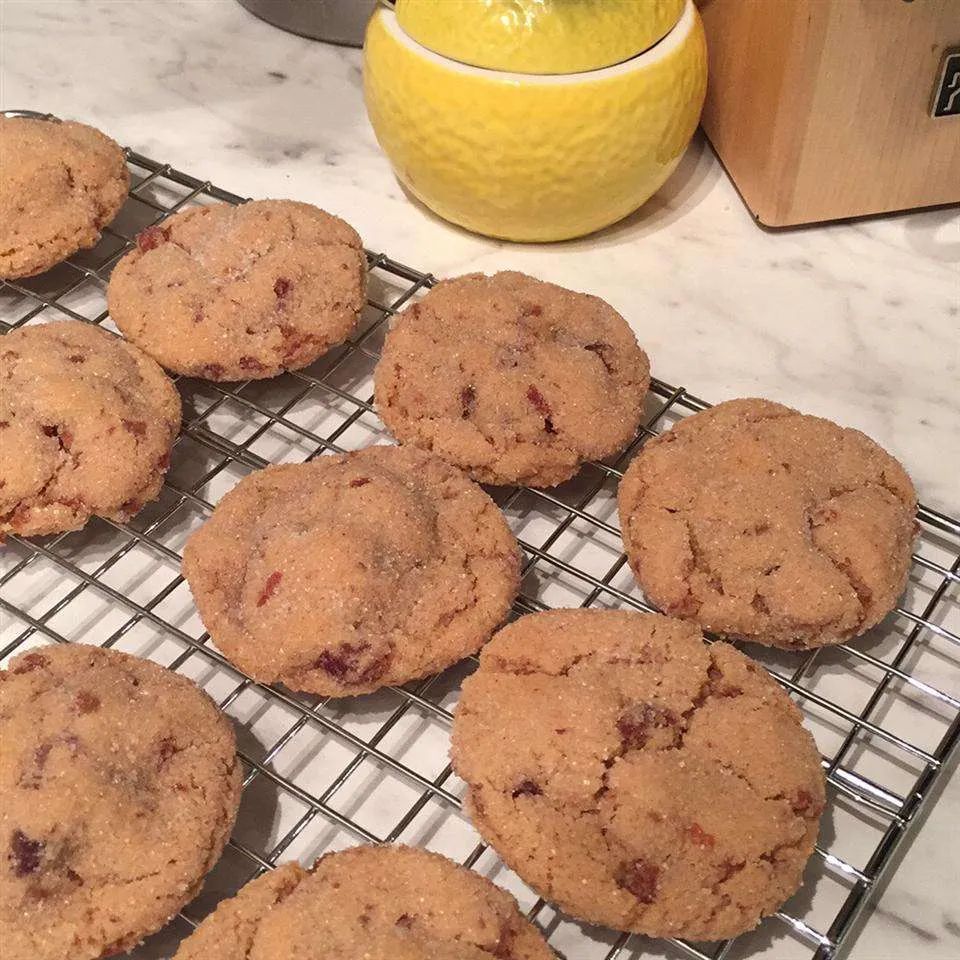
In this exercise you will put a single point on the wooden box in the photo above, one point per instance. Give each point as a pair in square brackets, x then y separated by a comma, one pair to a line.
[823, 109]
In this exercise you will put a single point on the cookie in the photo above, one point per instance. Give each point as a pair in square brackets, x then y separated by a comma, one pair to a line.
[511, 379]
[635, 776]
[87, 422]
[376, 902]
[760, 522]
[119, 788]
[350, 573]
[60, 185]
[240, 293]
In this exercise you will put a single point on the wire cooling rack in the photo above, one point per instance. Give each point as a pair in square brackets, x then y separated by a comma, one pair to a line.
[322, 774]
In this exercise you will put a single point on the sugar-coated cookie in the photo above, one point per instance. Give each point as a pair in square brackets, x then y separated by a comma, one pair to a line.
[760, 522]
[119, 786]
[512, 379]
[87, 422]
[635, 776]
[240, 293]
[60, 185]
[352, 572]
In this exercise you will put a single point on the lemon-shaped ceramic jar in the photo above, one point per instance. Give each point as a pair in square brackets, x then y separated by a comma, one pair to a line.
[534, 156]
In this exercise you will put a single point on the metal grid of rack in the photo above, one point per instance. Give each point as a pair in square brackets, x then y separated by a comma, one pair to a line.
[321, 774]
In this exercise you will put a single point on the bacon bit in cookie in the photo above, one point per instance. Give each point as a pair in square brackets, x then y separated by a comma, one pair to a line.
[526, 788]
[804, 804]
[64, 436]
[4, 424]
[270, 587]
[339, 665]
[152, 237]
[468, 402]
[727, 869]
[30, 779]
[76, 358]
[251, 363]
[700, 837]
[198, 315]
[137, 427]
[211, 371]
[293, 341]
[505, 943]
[639, 877]
[131, 507]
[343, 663]
[25, 854]
[168, 748]
[760, 605]
[359, 481]
[32, 661]
[282, 287]
[163, 461]
[405, 921]
[532, 310]
[600, 350]
[538, 401]
[636, 723]
[86, 702]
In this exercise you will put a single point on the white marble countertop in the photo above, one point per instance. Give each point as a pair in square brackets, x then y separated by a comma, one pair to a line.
[857, 322]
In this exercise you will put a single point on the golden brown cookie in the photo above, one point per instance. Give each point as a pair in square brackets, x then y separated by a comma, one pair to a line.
[375, 902]
[760, 522]
[86, 426]
[118, 790]
[635, 776]
[240, 293]
[512, 379]
[349, 573]
[60, 185]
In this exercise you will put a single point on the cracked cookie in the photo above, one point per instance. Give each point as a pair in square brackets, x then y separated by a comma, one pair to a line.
[87, 422]
[763, 523]
[353, 572]
[60, 185]
[635, 776]
[513, 380]
[119, 787]
[386, 902]
[240, 293]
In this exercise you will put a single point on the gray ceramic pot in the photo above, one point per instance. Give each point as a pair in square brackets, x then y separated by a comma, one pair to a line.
[339, 21]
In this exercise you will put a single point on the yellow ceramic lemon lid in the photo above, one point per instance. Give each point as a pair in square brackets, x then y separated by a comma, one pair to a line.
[538, 36]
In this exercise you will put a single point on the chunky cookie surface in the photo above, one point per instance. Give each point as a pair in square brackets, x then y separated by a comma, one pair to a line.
[352, 572]
[240, 293]
[760, 522]
[512, 379]
[60, 184]
[118, 790]
[375, 902]
[635, 776]
[87, 422]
